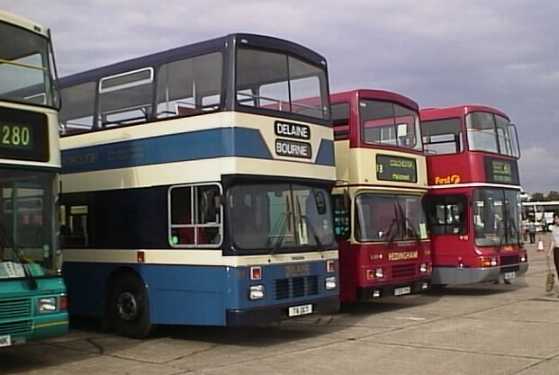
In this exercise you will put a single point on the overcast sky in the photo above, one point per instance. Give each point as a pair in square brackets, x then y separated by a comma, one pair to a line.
[502, 53]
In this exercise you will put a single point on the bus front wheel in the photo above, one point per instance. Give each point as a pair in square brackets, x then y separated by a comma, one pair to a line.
[129, 307]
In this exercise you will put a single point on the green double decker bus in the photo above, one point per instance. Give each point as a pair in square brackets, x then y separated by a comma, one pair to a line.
[33, 302]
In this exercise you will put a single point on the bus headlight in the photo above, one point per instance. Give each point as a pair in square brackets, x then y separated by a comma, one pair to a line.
[256, 292]
[330, 283]
[423, 268]
[47, 305]
[523, 258]
[487, 261]
[375, 273]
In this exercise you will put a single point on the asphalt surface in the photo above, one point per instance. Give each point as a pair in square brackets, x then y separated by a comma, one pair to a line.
[486, 329]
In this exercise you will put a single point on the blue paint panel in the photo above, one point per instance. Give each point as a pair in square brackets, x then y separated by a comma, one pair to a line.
[239, 281]
[192, 295]
[204, 144]
[189, 295]
[325, 153]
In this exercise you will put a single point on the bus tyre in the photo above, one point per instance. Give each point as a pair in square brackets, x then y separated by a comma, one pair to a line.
[129, 307]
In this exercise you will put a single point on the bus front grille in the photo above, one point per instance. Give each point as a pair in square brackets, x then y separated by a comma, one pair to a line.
[403, 270]
[296, 287]
[15, 309]
[509, 259]
[16, 328]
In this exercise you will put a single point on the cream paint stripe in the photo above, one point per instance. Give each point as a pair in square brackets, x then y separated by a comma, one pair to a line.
[475, 184]
[380, 189]
[186, 124]
[265, 125]
[189, 172]
[148, 130]
[190, 257]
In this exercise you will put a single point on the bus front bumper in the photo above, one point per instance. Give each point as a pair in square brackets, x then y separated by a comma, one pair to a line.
[470, 275]
[365, 294]
[276, 313]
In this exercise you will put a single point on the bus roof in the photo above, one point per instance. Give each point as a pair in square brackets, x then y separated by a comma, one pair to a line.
[22, 22]
[191, 50]
[434, 113]
[375, 94]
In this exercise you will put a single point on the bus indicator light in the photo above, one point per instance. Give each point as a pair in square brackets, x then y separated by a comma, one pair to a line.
[256, 273]
[488, 261]
[141, 257]
[63, 302]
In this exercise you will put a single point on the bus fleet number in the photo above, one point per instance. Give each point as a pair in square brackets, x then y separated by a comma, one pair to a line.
[18, 136]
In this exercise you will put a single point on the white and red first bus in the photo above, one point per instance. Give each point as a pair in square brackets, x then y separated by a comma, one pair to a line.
[473, 206]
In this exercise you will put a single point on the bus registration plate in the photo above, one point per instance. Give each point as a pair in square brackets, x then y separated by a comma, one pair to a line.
[299, 310]
[402, 291]
[510, 275]
[5, 341]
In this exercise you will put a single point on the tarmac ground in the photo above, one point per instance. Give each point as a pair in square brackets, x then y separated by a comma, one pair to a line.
[477, 330]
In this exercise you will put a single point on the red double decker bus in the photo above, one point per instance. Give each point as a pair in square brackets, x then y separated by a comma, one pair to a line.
[381, 179]
[473, 206]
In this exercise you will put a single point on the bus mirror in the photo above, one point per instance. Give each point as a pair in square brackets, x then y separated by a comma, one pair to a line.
[341, 205]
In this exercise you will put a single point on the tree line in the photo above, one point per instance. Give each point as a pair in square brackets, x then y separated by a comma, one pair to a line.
[539, 197]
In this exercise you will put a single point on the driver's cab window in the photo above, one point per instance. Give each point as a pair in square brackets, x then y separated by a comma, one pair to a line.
[446, 215]
[195, 216]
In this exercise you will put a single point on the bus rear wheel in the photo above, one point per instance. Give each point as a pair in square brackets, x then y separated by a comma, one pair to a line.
[129, 307]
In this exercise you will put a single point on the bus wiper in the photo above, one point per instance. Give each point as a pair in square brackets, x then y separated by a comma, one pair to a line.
[281, 224]
[309, 224]
[391, 233]
[408, 223]
[511, 222]
[414, 230]
[28, 276]
[313, 232]
[502, 236]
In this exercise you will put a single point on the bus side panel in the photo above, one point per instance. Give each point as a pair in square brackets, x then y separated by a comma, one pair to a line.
[348, 271]
[192, 295]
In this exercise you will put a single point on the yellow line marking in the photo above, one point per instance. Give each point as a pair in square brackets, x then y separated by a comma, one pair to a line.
[44, 325]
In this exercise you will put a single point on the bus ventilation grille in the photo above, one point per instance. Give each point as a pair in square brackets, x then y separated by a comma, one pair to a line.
[16, 328]
[509, 259]
[15, 309]
[296, 287]
[403, 270]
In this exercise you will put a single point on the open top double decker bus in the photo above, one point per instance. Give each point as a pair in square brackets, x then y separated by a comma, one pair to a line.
[196, 186]
[474, 206]
[381, 179]
[32, 293]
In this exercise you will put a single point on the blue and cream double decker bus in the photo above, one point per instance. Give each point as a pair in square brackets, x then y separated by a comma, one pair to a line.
[196, 186]
[32, 293]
